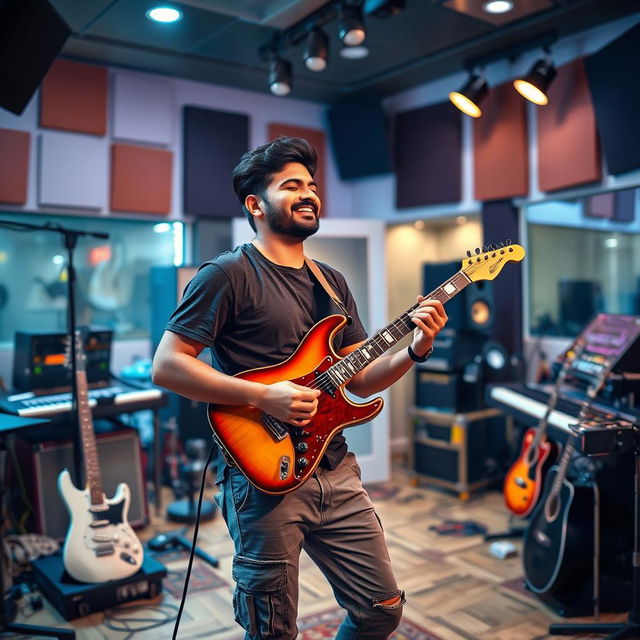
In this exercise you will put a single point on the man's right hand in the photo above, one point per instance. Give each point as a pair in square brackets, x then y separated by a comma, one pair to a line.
[290, 402]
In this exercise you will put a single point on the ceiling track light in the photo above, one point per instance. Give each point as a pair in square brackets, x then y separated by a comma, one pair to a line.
[316, 50]
[280, 77]
[473, 92]
[351, 26]
[535, 85]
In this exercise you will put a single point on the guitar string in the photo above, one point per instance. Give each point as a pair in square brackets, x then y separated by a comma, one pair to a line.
[377, 342]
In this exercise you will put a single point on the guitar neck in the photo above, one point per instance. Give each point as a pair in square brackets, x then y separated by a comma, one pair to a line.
[87, 436]
[390, 335]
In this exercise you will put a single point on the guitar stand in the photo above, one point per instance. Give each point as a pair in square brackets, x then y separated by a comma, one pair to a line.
[6, 609]
[511, 532]
[630, 629]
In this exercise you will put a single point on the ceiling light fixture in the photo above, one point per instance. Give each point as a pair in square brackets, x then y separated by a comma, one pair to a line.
[535, 85]
[497, 6]
[280, 77]
[164, 14]
[354, 53]
[350, 26]
[468, 99]
[316, 50]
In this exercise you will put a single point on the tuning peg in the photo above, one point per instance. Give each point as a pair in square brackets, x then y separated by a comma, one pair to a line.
[468, 254]
[477, 251]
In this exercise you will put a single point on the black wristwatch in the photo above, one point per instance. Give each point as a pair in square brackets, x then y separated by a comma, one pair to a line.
[416, 358]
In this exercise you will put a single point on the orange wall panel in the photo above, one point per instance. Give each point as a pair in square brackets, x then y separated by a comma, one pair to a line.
[74, 98]
[500, 148]
[316, 138]
[568, 147]
[140, 179]
[14, 165]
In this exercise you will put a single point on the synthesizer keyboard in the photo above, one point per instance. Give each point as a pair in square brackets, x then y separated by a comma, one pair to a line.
[528, 403]
[44, 405]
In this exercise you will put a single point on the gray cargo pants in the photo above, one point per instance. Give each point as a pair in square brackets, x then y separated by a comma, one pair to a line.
[331, 517]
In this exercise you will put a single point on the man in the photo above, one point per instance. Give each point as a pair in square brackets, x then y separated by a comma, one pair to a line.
[252, 307]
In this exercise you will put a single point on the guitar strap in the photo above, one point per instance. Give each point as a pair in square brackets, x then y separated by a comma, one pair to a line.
[319, 276]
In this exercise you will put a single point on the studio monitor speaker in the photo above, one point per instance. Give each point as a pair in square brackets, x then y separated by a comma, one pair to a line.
[470, 310]
[32, 33]
[119, 459]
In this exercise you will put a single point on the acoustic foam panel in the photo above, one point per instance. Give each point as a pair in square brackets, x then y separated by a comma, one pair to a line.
[428, 147]
[358, 136]
[74, 98]
[143, 109]
[500, 222]
[316, 139]
[14, 165]
[600, 205]
[32, 34]
[500, 160]
[213, 142]
[141, 179]
[625, 205]
[73, 171]
[568, 146]
[615, 90]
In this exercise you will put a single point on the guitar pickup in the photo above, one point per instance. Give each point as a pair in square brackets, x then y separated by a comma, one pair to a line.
[278, 430]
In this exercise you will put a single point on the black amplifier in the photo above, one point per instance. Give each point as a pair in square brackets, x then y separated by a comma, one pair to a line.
[454, 350]
[75, 599]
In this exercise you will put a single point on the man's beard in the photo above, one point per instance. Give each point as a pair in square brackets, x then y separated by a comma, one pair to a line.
[285, 223]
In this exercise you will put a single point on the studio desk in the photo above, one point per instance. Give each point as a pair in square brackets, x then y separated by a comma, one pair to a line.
[107, 400]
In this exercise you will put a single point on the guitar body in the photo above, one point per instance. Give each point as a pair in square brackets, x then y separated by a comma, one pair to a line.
[558, 543]
[100, 544]
[278, 461]
[523, 482]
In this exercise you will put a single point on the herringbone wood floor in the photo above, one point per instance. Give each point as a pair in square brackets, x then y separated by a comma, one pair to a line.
[456, 589]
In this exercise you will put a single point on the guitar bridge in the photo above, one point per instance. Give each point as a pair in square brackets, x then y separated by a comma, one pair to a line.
[278, 430]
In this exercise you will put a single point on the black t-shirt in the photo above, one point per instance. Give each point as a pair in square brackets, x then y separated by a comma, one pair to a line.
[253, 313]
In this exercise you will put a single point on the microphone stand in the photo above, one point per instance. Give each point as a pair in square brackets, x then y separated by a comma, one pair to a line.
[69, 241]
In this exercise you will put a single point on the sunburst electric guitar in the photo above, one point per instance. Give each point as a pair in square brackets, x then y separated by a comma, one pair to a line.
[100, 544]
[278, 457]
[523, 482]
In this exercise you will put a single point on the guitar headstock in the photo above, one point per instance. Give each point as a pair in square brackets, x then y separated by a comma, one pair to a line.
[78, 346]
[488, 263]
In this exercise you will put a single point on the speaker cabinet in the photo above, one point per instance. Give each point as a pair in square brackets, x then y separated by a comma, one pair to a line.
[472, 309]
[32, 33]
[447, 391]
[120, 461]
[460, 451]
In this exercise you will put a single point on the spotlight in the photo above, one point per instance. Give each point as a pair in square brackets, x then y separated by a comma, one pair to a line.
[280, 77]
[350, 26]
[471, 95]
[497, 6]
[316, 50]
[164, 14]
[536, 83]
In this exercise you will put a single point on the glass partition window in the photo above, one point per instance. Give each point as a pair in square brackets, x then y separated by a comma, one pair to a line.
[579, 265]
[112, 275]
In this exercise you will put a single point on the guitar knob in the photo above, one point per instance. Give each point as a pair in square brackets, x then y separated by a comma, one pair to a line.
[302, 463]
[302, 447]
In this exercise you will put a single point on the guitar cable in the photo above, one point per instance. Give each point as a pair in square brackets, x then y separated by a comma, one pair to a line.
[194, 541]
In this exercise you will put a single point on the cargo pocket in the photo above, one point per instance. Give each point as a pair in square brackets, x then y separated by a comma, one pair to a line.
[260, 596]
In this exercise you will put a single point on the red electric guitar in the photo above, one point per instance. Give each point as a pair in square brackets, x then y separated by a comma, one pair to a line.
[523, 482]
[278, 457]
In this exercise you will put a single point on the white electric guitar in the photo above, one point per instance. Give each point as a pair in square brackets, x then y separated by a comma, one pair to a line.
[100, 544]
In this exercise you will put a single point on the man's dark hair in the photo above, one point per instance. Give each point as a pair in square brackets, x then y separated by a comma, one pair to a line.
[254, 171]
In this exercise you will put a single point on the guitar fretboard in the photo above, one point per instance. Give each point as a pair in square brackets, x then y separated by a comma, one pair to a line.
[390, 335]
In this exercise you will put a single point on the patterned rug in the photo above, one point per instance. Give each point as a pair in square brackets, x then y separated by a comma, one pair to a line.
[322, 626]
[202, 579]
